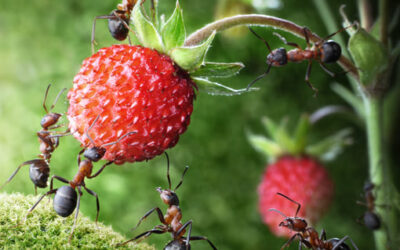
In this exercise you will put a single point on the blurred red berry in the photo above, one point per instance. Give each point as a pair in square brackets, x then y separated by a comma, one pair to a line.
[132, 88]
[302, 179]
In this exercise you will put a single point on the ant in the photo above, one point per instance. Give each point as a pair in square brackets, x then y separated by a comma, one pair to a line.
[324, 51]
[66, 199]
[371, 219]
[39, 168]
[118, 20]
[171, 221]
[308, 236]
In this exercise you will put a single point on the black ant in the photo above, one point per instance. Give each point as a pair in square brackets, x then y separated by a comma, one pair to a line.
[171, 222]
[308, 236]
[324, 51]
[39, 168]
[371, 219]
[66, 199]
[118, 20]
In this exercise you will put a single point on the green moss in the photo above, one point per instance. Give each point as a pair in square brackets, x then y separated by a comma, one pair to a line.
[44, 229]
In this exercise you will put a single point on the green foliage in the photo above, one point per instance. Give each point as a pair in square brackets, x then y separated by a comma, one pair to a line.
[44, 229]
[173, 32]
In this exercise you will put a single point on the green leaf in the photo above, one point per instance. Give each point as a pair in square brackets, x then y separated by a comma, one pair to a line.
[300, 136]
[328, 148]
[214, 88]
[369, 56]
[264, 145]
[211, 69]
[173, 32]
[145, 30]
[190, 58]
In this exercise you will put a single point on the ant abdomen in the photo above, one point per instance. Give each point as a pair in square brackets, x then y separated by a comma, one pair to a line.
[64, 202]
[331, 52]
[342, 246]
[371, 220]
[117, 27]
[176, 245]
[39, 173]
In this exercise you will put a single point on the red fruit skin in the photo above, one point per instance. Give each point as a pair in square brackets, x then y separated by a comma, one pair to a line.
[302, 179]
[133, 89]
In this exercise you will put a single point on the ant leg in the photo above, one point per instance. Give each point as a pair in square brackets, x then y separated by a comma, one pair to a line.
[327, 70]
[101, 169]
[97, 201]
[58, 178]
[286, 42]
[19, 167]
[45, 97]
[343, 240]
[307, 79]
[203, 238]
[168, 177]
[160, 216]
[183, 175]
[306, 32]
[298, 204]
[259, 77]
[341, 30]
[323, 235]
[52, 191]
[187, 224]
[76, 214]
[79, 156]
[93, 42]
[291, 239]
[262, 39]
[142, 235]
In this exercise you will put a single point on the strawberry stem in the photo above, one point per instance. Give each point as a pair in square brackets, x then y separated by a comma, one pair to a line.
[262, 20]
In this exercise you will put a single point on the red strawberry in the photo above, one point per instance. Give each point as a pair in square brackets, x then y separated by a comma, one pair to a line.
[294, 171]
[132, 88]
[302, 179]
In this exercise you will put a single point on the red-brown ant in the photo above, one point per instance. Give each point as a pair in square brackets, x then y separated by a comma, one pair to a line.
[39, 168]
[66, 199]
[324, 51]
[308, 236]
[171, 222]
[371, 219]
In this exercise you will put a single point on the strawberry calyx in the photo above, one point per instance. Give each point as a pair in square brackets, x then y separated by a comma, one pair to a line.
[169, 37]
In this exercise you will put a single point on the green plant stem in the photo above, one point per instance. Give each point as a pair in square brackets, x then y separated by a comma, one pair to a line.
[383, 16]
[364, 9]
[262, 20]
[380, 174]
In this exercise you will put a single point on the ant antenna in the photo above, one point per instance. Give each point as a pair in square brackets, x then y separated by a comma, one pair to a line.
[119, 139]
[55, 101]
[91, 126]
[262, 39]
[298, 204]
[169, 179]
[277, 211]
[183, 174]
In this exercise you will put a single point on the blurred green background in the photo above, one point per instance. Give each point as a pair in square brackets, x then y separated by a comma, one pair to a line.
[45, 41]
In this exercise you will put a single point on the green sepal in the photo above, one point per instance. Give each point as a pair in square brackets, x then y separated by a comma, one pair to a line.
[300, 135]
[328, 148]
[279, 133]
[211, 69]
[214, 88]
[145, 31]
[368, 54]
[190, 58]
[173, 31]
[264, 145]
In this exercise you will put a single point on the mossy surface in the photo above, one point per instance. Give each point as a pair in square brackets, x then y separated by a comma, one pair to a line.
[44, 229]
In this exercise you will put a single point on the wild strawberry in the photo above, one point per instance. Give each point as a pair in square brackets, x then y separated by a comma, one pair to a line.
[144, 89]
[301, 178]
[295, 172]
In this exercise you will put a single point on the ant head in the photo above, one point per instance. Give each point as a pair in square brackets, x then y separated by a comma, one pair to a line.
[39, 173]
[49, 120]
[331, 51]
[277, 57]
[293, 223]
[176, 245]
[342, 246]
[94, 153]
[118, 25]
[64, 202]
[368, 186]
[168, 197]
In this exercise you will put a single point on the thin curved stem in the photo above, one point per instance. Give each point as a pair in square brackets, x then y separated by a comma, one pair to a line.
[262, 20]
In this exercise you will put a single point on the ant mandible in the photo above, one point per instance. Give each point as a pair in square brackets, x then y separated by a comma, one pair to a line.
[66, 199]
[171, 222]
[39, 168]
[118, 20]
[308, 236]
[371, 219]
[324, 51]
